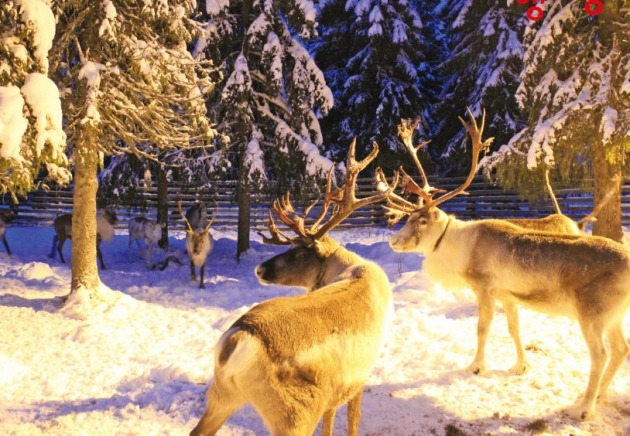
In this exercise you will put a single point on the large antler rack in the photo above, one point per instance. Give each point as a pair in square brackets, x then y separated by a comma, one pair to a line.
[188, 226]
[405, 131]
[478, 145]
[343, 201]
[398, 206]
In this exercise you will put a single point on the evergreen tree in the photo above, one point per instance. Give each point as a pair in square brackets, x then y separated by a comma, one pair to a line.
[575, 94]
[127, 80]
[481, 71]
[371, 51]
[272, 94]
[31, 133]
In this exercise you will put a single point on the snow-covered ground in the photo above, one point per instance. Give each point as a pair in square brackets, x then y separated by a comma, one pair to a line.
[140, 363]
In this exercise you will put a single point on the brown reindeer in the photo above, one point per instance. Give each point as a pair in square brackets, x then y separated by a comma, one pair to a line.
[580, 276]
[296, 359]
[6, 216]
[105, 222]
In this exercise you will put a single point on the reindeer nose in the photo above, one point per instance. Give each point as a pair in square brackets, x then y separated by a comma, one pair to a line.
[260, 270]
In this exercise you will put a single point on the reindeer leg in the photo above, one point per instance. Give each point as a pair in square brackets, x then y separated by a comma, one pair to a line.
[100, 255]
[60, 250]
[354, 413]
[6, 244]
[619, 349]
[55, 241]
[486, 312]
[202, 269]
[221, 404]
[522, 365]
[129, 248]
[594, 336]
[149, 258]
[328, 421]
[193, 276]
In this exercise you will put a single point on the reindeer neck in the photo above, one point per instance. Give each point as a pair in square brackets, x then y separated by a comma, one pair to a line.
[335, 264]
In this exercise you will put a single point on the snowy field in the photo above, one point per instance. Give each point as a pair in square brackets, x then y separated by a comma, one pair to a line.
[140, 363]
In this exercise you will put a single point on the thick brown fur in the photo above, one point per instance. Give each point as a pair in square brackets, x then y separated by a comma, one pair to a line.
[105, 222]
[296, 359]
[556, 222]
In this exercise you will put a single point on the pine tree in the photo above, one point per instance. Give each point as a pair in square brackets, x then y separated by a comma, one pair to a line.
[371, 51]
[481, 72]
[127, 80]
[576, 96]
[31, 133]
[272, 94]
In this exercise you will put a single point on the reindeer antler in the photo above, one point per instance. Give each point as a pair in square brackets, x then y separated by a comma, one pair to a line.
[179, 207]
[343, 199]
[478, 145]
[405, 131]
[399, 207]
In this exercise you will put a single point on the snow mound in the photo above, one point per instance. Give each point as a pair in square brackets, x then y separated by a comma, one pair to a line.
[36, 271]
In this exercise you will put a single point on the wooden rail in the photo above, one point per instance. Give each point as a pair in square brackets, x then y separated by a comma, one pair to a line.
[484, 200]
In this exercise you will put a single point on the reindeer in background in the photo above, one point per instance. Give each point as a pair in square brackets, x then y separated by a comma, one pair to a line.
[579, 276]
[296, 359]
[147, 231]
[199, 243]
[6, 216]
[197, 215]
[105, 222]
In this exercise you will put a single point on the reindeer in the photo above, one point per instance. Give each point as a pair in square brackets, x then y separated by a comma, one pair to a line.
[557, 222]
[199, 244]
[105, 222]
[296, 359]
[6, 216]
[580, 276]
[197, 215]
[148, 231]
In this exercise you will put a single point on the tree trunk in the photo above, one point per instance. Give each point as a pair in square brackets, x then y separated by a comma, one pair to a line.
[607, 160]
[608, 179]
[162, 206]
[84, 268]
[243, 199]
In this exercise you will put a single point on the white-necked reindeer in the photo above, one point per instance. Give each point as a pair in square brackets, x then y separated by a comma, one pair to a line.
[6, 216]
[147, 231]
[296, 359]
[583, 277]
[105, 222]
[199, 244]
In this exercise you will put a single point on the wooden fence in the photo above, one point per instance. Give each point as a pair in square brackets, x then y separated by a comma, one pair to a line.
[484, 200]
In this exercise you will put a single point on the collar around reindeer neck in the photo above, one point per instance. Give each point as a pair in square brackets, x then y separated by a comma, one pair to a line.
[439, 240]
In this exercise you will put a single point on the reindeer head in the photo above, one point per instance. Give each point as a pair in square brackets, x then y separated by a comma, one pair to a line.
[6, 216]
[198, 240]
[427, 224]
[110, 216]
[305, 263]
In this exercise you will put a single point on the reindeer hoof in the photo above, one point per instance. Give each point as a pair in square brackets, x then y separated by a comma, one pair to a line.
[580, 413]
[476, 369]
[520, 368]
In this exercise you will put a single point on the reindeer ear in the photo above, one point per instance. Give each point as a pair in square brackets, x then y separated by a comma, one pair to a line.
[324, 247]
[434, 214]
